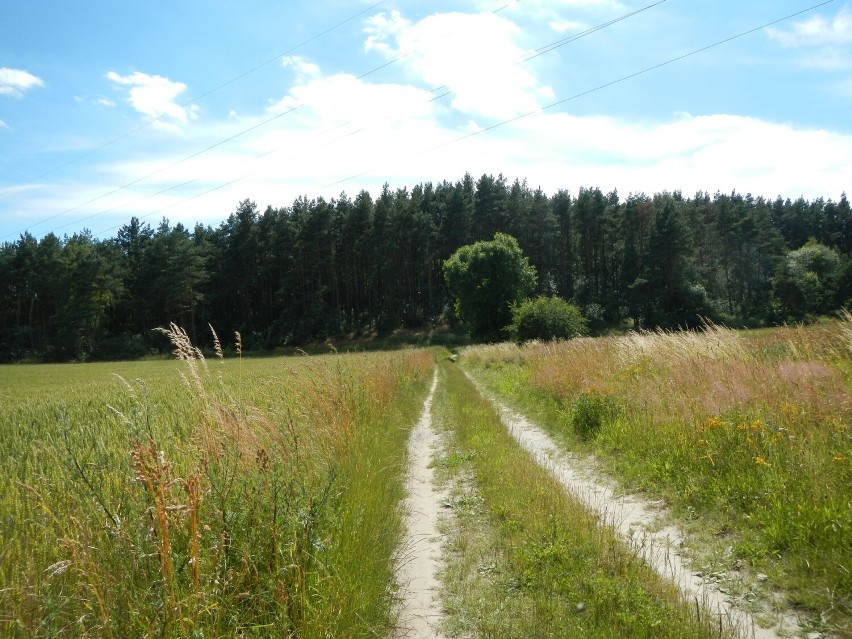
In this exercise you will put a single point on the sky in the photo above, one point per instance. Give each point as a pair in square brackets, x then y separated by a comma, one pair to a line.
[181, 110]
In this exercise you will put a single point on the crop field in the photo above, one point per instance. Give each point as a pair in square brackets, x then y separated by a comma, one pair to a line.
[204, 498]
[745, 435]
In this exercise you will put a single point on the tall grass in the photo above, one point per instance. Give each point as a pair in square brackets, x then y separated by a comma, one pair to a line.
[249, 498]
[747, 432]
[527, 560]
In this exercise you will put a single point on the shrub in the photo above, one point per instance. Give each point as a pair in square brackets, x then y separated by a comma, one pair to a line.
[591, 410]
[546, 318]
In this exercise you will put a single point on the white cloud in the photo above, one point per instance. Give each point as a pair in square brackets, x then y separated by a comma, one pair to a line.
[473, 55]
[690, 153]
[816, 31]
[303, 69]
[561, 26]
[154, 96]
[342, 98]
[382, 29]
[305, 155]
[14, 82]
[3, 125]
[99, 101]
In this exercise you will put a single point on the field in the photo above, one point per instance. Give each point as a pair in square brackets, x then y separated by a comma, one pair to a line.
[204, 498]
[745, 435]
[234, 497]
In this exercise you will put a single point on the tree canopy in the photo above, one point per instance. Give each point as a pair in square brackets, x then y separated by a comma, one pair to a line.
[487, 279]
[321, 268]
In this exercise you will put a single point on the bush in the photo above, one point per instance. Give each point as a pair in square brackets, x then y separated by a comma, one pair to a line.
[546, 318]
[591, 410]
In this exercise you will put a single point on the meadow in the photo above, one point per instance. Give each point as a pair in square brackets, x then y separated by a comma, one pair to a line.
[204, 497]
[525, 559]
[745, 435]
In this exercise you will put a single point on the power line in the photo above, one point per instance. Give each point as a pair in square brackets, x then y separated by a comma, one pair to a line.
[525, 58]
[213, 146]
[587, 92]
[194, 100]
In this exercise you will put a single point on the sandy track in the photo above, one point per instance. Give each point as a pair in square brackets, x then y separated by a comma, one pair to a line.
[420, 609]
[636, 520]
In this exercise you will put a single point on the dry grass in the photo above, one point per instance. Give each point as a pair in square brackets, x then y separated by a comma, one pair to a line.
[747, 430]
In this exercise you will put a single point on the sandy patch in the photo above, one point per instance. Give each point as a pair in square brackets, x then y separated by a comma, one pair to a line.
[420, 608]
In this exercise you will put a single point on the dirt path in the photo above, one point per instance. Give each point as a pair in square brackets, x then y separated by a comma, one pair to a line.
[420, 608]
[637, 521]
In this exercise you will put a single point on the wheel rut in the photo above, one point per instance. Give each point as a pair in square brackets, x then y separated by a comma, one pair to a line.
[637, 521]
[420, 611]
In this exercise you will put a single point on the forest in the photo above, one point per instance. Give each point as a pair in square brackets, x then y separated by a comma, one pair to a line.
[347, 267]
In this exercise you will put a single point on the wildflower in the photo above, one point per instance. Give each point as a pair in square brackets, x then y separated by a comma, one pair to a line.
[715, 422]
[790, 410]
[702, 442]
[839, 458]
[760, 460]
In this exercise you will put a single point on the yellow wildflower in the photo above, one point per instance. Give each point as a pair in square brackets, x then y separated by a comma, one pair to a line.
[839, 458]
[760, 460]
[715, 422]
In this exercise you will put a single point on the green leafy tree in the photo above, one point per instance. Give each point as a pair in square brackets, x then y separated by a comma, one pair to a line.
[547, 318]
[807, 281]
[486, 279]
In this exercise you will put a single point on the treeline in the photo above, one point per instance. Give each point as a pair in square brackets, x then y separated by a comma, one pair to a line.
[320, 269]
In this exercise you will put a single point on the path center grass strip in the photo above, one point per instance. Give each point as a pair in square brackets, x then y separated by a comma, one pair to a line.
[549, 568]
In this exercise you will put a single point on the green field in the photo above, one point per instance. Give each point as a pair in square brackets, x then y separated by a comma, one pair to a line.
[195, 498]
[261, 497]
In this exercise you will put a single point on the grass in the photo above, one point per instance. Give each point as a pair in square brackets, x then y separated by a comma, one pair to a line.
[746, 434]
[201, 498]
[525, 559]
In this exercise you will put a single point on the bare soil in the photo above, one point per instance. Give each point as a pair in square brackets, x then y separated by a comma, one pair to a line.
[420, 609]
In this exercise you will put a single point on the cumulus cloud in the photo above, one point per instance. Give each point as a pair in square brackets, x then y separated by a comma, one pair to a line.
[14, 82]
[155, 96]
[474, 56]
[816, 31]
[99, 101]
[691, 153]
[343, 98]
[382, 29]
[302, 68]
[561, 26]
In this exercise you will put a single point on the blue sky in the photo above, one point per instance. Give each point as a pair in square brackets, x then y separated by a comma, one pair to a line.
[106, 109]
